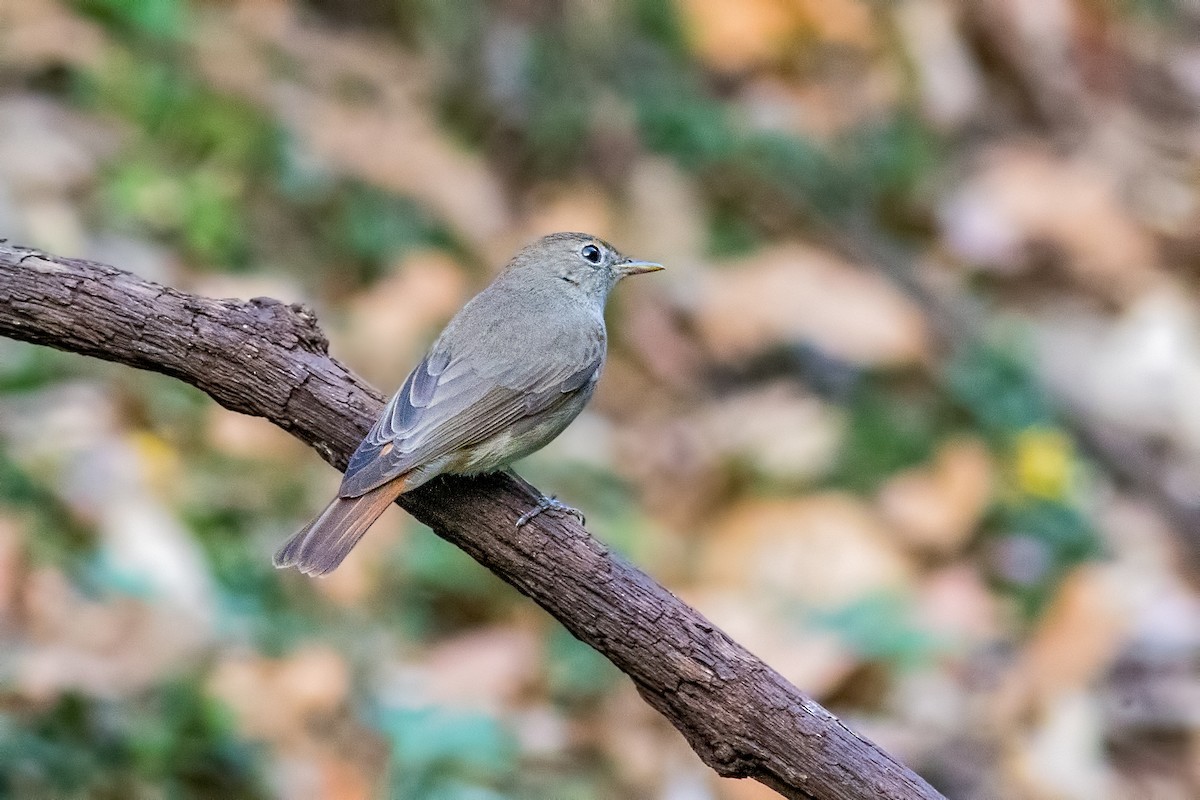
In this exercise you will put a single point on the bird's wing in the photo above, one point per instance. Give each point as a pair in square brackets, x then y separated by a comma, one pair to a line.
[451, 401]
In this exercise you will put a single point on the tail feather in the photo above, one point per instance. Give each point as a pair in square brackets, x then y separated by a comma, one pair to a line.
[318, 548]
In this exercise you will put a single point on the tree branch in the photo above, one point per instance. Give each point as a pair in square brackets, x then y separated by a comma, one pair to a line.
[268, 359]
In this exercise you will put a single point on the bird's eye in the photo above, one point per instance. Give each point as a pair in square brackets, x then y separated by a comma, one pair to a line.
[590, 253]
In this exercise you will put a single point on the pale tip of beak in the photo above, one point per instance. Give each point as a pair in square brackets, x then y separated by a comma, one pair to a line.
[639, 267]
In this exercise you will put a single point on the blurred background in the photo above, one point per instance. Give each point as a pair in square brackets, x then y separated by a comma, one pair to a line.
[912, 414]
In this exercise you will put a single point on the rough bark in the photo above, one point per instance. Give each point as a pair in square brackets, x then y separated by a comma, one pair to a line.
[269, 359]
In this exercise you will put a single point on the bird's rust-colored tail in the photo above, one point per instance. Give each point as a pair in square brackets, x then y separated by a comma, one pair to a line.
[318, 548]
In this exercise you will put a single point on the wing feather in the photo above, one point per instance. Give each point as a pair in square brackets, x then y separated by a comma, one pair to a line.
[455, 400]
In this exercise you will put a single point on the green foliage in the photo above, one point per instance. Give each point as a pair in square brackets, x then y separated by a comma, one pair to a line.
[990, 389]
[559, 118]
[674, 115]
[198, 156]
[890, 159]
[888, 430]
[54, 536]
[252, 596]
[433, 564]
[798, 172]
[179, 115]
[376, 228]
[611, 505]
[575, 672]
[447, 755]
[996, 386]
[234, 508]
[176, 744]
[452, 28]
[1045, 539]
[999, 390]
[879, 628]
[658, 21]
[153, 19]
[430, 588]
[200, 207]
[1162, 11]
[24, 367]
[203, 162]
[730, 234]
[172, 409]
[195, 163]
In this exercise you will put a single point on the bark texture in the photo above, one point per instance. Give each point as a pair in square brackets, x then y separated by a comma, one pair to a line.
[269, 359]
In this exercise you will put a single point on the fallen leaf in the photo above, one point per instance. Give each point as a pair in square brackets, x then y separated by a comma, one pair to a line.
[793, 294]
[825, 550]
[390, 325]
[778, 431]
[1021, 196]
[938, 506]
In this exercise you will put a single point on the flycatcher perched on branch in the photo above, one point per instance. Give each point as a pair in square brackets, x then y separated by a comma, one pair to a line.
[511, 370]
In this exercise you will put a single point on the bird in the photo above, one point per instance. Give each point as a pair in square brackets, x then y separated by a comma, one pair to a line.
[509, 372]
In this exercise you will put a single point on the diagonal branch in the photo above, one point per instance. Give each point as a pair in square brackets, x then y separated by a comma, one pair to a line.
[270, 360]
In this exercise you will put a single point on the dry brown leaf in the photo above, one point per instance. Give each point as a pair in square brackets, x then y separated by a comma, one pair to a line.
[274, 699]
[391, 324]
[1138, 371]
[12, 567]
[676, 469]
[314, 680]
[1076, 639]
[791, 294]
[114, 648]
[820, 109]
[665, 218]
[653, 334]
[817, 661]
[48, 151]
[778, 431]
[824, 550]
[484, 669]
[243, 683]
[38, 34]
[580, 207]
[1062, 757]
[393, 141]
[742, 789]
[417, 161]
[951, 81]
[845, 22]
[735, 36]
[937, 507]
[345, 780]
[1152, 570]
[955, 603]
[631, 734]
[1024, 195]
[242, 436]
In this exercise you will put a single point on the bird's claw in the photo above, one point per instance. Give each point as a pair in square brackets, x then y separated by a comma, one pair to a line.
[549, 504]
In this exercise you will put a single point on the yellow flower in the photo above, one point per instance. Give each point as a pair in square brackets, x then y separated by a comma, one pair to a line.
[1043, 462]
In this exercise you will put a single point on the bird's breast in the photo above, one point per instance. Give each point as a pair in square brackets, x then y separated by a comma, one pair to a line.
[519, 439]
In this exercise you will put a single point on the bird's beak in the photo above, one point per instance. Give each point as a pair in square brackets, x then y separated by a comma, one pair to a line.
[637, 267]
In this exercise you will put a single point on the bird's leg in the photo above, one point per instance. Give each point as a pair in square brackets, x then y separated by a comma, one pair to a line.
[549, 504]
[544, 504]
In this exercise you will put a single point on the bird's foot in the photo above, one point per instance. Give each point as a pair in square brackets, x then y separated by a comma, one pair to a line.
[549, 504]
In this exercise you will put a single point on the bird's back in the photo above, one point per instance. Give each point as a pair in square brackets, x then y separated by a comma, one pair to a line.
[517, 330]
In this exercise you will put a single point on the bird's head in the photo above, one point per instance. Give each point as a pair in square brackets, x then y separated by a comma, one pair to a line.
[584, 264]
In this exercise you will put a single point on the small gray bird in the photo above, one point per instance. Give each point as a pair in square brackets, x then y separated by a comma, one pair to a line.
[508, 374]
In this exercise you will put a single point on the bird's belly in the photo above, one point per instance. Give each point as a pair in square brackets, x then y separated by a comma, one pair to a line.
[519, 440]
